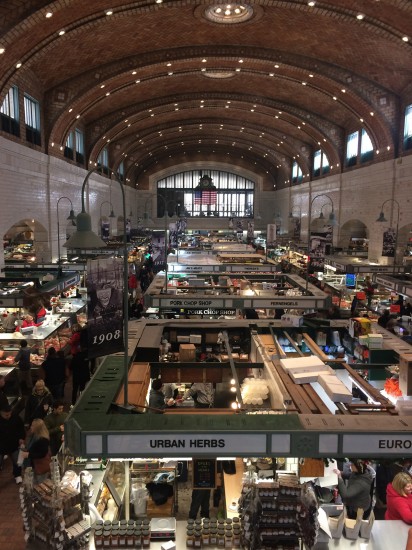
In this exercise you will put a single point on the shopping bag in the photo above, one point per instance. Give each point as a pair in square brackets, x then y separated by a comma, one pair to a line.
[352, 526]
[336, 524]
[366, 526]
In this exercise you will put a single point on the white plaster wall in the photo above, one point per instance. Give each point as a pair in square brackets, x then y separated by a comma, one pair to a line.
[31, 184]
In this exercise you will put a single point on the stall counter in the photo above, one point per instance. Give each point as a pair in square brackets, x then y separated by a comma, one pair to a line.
[385, 535]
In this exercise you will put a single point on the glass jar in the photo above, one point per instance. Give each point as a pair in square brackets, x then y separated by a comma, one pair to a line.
[236, 520]
[123, 524]
[98, 537]
[115, 537]
[198, 523]
[206, 523]
[146, 523]
[213, 536]
[190, 523]
[115, 525]
[137, 537]
[122, 538]
[228, 521]
[221, 537]
[107, 538]
[213, 523]
[130, 537]
[205, 536]
[228, 539]
[190, 537]
[138, 523]
[236, 537]
[99, 524]
[145, 537]
[107, 524]
[130, 523]
[198, 539]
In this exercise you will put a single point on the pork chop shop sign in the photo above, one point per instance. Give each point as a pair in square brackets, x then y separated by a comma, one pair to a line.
[196, 444]
[377, 444]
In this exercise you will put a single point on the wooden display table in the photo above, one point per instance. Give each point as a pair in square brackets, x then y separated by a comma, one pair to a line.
[139, 379]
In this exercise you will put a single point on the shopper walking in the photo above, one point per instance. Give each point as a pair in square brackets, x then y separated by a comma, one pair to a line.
[80, 369]
[399, 498]
[55, 424]
[22, 360]
[12, 435]
[54, 368]
[37, 451]
[356, 493]
[39, 402]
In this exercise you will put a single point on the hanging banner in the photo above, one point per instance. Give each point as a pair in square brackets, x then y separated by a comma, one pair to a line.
[105, 228]
[320, 246]
[389, 243]
[105, 306]
[173, 234]
[158, 255]
[270, 235]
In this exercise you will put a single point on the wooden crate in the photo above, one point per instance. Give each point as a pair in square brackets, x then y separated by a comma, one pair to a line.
[187, 353]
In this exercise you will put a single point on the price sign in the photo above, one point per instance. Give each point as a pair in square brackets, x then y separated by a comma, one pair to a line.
[204, 473]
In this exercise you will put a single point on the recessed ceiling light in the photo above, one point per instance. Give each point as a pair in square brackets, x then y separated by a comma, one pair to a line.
[103, 85]
[18, 64]
[311, 3]
[49, 14]
[70, 110]
[77, 116]
[159, 1]
[405, 38]
[2, 49]
[107, 93]
[360, 16]
[240, 60]
[61, 32]
[109, 12]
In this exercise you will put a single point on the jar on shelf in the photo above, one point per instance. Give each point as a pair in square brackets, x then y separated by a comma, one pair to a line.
[145, 537]
[198, 539]
[122, 538]
[190, 537]
[137, 537]
[213, 536]
[228, 539]
[98, 538]
[130, 537]
[221, 537]
[115, 537]
[236, 537]
[107, 538]
[205, 536]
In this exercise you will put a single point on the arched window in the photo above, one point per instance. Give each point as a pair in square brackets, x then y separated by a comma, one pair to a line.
[297, 174]
[9, 111]
[320, 163]
[207, 193]
[407, 129]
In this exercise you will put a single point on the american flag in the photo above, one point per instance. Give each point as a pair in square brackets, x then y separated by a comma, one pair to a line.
[198, 196]
[205, 196]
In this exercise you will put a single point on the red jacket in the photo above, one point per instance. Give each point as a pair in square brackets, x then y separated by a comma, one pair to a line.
[398, 507]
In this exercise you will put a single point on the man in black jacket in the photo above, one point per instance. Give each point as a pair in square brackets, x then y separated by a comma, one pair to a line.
[12, 435]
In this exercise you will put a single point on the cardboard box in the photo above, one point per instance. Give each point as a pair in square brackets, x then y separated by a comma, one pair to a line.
[303, 364]
[195, 338]
[335, 389]
[187, 353]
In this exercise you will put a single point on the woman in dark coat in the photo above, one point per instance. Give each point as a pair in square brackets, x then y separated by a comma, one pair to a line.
[38, 403]
[54, 368]
[356, 493]
[80, 368]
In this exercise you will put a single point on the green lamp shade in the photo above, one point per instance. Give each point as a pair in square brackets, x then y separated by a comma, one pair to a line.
[84, 237]
[381, 218]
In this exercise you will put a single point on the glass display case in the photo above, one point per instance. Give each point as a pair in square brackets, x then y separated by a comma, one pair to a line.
[110, 496]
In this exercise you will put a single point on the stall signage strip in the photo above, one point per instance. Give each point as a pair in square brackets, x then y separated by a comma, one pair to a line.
[197, 444]
[377, 444]
[178, 302]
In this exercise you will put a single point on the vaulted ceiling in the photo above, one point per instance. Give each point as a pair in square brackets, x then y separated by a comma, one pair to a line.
[160, 81]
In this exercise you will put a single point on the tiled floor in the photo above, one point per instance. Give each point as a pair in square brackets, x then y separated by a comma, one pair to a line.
[11, 524]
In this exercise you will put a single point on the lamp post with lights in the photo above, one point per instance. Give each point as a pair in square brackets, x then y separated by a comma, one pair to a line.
[70, 217]
[332, 222]
[84, 238]
[382, 219]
